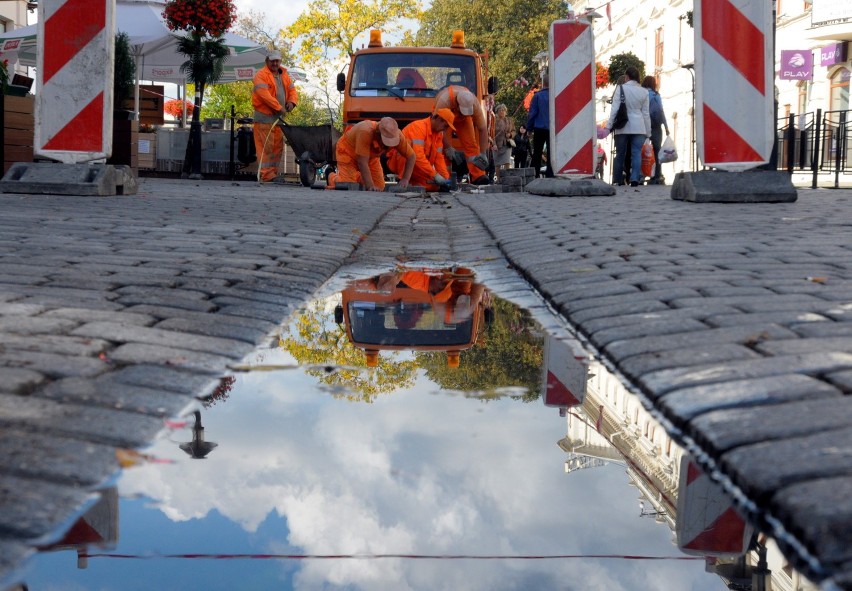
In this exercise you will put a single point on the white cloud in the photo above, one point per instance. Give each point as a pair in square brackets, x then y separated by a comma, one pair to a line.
[413, 473]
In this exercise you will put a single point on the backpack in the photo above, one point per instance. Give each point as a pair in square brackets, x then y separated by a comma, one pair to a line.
[655, 108]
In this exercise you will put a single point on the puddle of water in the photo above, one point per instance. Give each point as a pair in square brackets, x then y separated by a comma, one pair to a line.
[497, 456]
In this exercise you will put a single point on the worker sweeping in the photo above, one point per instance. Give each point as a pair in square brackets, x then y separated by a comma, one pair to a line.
[427, 140]
[273, 95]
[359, 151]
[471, 129]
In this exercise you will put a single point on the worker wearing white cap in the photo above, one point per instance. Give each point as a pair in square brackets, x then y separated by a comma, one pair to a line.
[471, 129]
[359, 151]
[273, 96]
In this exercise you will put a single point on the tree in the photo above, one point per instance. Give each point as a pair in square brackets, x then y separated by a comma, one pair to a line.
[310, 111]
[205, 49]
[619, 63]
[511, 354]
[513, 32]
[325, 349]
[327, 28]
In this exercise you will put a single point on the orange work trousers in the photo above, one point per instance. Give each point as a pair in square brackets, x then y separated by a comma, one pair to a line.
[269, 150]
[396, 164]
[347, 167]
[469, 140]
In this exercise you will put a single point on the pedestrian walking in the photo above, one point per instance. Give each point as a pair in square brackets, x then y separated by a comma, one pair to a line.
[503, 132]
[521, 151]
[539, 122]
[637, 129]
[273, 95]
[658, 122]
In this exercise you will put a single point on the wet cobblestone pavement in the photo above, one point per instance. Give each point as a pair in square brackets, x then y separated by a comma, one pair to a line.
[732, 320]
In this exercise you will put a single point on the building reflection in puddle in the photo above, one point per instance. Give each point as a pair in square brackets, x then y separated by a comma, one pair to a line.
[303, 473]
[608, 424]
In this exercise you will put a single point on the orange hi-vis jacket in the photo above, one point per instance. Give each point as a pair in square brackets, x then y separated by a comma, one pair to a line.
[363, 139]
[270, 93]
[428, 146]
[469, 129]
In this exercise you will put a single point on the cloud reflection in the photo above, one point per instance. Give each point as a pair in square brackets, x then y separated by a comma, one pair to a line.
[413, 473]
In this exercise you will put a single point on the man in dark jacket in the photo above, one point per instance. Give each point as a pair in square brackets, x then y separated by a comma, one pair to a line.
[539, 122]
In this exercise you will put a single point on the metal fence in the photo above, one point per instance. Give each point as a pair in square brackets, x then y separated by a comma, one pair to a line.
[816, 142]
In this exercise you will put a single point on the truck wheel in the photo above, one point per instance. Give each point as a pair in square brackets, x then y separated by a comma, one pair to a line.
[307, 170]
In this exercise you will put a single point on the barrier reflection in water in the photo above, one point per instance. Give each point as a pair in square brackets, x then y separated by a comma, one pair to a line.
[610, 425]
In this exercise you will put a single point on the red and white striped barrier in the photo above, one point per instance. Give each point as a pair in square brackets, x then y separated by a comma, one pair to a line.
[707, 524]
[565, 374]
[734, 91]
[572, 97]
[73, 108]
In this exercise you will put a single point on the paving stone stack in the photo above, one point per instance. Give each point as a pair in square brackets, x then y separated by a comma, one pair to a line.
[515, 179]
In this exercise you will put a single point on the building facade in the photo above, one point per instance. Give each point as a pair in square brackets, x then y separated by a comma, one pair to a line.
[812, 60]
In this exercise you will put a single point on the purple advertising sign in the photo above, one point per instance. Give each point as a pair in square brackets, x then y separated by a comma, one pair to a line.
[833, 54]
[796, 64]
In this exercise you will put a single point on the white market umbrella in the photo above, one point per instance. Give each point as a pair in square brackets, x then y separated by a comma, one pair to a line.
[154, 46]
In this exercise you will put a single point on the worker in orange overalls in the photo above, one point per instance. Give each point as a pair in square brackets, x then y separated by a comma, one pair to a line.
[471, 129]
[359, 149]
[427, 140]
[272, 88]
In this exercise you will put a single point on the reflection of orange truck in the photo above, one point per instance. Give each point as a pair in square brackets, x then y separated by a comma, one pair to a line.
[434, 310]
[401, 82]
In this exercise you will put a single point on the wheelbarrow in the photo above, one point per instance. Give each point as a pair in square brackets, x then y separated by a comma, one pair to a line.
[314, 146]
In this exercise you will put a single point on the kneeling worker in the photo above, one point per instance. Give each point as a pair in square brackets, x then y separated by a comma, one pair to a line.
[471, 129]
[359, 149]
[427, 140]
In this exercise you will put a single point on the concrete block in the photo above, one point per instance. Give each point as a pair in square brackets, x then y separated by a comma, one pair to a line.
[53, 178]
[718, 186]
[511, 181]
[348, 187]
[560, 187]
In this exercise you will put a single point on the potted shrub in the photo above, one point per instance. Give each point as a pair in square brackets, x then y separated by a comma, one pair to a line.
[125, 127]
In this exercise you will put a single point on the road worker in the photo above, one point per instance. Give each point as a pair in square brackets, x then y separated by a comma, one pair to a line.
[471, 129]
[359, 151]
[426, 137]
[273, 95]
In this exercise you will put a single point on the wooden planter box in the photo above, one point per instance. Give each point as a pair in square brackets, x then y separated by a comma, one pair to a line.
[18, 130]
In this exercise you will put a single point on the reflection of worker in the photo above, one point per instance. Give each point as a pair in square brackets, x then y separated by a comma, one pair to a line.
[359, 149]
[471, 129]
[427, 140]
[273, 88]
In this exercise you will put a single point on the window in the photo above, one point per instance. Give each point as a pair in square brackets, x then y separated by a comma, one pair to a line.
[658, 54]
[839, 90]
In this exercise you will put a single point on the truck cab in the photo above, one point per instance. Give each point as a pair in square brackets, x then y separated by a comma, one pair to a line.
[401, 82]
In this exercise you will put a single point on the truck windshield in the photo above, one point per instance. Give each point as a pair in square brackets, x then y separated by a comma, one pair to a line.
[414, 74]
[410, 325]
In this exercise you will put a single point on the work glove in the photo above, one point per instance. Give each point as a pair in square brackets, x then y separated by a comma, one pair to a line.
[289, 106]
[480, 161]
[280, 114]
[439, 180]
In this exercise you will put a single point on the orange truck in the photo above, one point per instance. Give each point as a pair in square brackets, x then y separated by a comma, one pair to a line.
[416, 310]
[401, 82]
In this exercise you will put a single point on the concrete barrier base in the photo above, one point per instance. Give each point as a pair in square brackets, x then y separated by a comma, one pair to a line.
[719, 186]
[54, 178]
[562, 187]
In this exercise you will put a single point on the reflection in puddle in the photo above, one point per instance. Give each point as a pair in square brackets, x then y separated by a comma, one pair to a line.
[423, 488]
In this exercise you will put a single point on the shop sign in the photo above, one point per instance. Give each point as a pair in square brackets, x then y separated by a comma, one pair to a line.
[830, 12]
[796, 64]
[833, 54]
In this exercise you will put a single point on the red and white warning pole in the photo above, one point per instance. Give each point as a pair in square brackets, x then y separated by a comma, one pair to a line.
[572, 97]
[73, 108]
[734, 91]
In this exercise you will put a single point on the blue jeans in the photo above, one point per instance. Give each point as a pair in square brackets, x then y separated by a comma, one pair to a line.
[624, 142]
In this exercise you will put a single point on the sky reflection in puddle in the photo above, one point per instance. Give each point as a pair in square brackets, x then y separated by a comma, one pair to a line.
[395, 484]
